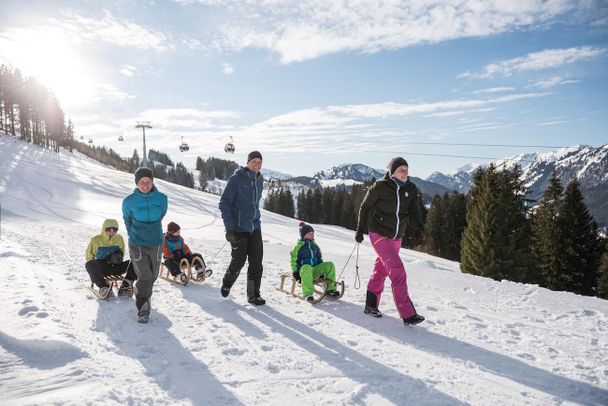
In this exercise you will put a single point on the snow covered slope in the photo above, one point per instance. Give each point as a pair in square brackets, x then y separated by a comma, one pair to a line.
[484, 342]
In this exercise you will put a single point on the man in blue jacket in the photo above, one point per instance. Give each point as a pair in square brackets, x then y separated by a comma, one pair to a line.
[240, 207]
[143, 211]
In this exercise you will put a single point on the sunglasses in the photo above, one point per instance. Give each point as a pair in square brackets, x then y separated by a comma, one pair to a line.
[112, 229]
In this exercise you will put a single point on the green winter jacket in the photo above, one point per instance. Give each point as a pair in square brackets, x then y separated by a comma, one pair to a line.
[102, 245]
[388, 208]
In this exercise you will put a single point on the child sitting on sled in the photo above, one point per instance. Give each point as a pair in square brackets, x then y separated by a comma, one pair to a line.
[174, 249]
[307, 263]
[104, 256]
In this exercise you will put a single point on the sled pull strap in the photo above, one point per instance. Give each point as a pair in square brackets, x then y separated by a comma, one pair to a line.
[357, 280]
[217, 253]
[348, 260]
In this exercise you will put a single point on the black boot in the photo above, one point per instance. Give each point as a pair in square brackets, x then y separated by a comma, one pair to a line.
[415, 319]
[371, 305]
[253, 292]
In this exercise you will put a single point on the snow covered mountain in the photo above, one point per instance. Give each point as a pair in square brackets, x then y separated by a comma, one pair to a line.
[484, 341]
[347, 174]
[587, 164]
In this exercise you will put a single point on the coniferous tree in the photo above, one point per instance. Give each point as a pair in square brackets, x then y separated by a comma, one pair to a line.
[547, 241]
[495, 241]
[602, 283]
[581, 243]
[433, 230]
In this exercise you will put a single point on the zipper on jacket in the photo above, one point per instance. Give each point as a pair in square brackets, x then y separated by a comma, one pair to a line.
[397, 212]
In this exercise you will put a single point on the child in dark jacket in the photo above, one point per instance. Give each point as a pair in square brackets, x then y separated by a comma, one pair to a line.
[307, 263]
[174, 249]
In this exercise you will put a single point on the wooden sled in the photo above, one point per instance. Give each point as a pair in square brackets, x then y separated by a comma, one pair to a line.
[114, 282]
[192, 270]
[164, 273]
[319, 287]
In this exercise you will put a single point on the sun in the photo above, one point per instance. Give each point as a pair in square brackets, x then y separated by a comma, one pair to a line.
[52, 59]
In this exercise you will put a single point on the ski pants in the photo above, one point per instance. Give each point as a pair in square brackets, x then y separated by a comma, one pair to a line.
[100, 268]
[146, 262]
[308, 273]
[248, 246]
[388, 263]
[172, 264]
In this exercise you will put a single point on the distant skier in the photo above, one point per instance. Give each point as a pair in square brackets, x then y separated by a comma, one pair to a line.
[392, 203]
[175, 249]
[307, 263]
[240, 207]
[104, 255]
[143, 211]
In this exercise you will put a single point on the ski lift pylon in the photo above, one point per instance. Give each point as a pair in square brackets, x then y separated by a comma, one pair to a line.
[120, 138]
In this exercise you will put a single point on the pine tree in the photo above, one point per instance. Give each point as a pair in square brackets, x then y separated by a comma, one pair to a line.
[602, 283]
[433, 231]
[582, 245]
[547, 241]
[495, 241]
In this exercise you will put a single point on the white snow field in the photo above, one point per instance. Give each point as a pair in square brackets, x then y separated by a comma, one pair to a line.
[484, 342]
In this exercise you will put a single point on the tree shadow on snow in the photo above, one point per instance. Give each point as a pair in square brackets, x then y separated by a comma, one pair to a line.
[446, 347]
[374, 377]
[41, 354]
[163, 357]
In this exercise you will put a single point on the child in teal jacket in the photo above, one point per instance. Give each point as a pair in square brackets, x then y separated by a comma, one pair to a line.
[307, 263]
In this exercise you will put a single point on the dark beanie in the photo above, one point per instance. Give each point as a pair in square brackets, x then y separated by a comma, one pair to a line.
[395, 163]
[305, 229]
[173, 227]
[253, 155]
[143, 172]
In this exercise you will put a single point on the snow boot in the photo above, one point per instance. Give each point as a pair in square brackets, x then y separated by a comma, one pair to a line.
[182, 277]
[257, 300]
[372, 311]
[225, 291]
[333, 293]
[124, 289]
[143, 310]
[310, 299]
[203, 273]
[415, 319]
[105, 292]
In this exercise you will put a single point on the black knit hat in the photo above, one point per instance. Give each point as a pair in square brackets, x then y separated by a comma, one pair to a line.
[173, 227]
[395, 163]
[254, 155]
[305, 229]
[143, 172]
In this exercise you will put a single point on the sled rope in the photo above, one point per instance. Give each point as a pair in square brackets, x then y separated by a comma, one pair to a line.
[216, 254]
[357, 280]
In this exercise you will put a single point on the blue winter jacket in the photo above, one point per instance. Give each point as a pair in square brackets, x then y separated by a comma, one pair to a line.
[240, 202]
[143, 213]
[305, 252]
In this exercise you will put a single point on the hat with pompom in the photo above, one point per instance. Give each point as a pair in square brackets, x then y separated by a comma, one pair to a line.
[305, 229]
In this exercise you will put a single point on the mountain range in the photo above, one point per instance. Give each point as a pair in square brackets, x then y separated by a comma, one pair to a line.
[587, 164]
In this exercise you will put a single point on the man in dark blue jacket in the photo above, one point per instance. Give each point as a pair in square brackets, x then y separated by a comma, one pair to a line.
[240, 207]
[143, 211]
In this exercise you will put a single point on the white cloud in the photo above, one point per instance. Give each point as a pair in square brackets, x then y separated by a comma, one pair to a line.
[128, 70]
[227, 68]
[389, 109]
[494, 90]
[109, 29]
[552, 82]
[300, 30]
[109, 92]
[546, 59]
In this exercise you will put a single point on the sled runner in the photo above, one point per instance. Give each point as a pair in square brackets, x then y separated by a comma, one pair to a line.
[189, 270]
[184, 266]
[113, 281]
[192, 271]
[319, 287]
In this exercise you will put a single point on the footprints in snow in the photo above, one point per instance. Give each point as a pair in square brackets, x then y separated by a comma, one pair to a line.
[30, 310]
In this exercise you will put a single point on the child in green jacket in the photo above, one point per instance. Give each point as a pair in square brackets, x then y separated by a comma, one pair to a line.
[307, 263]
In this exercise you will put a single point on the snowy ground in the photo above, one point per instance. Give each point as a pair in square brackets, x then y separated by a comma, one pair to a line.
[484, 342]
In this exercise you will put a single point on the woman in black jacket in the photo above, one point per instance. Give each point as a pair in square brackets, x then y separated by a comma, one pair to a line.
[389, 206]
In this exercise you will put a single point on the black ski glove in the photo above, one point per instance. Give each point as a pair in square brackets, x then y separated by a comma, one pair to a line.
[359, 237]
[296, 276]
[116, 258]
[230, 236]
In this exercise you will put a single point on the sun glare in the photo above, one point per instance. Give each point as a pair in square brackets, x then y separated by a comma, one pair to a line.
[52, 61]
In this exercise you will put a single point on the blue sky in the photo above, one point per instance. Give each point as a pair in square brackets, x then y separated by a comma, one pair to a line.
[315, 84]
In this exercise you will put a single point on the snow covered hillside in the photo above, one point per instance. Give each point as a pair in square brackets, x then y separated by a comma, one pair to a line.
[484, 342]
